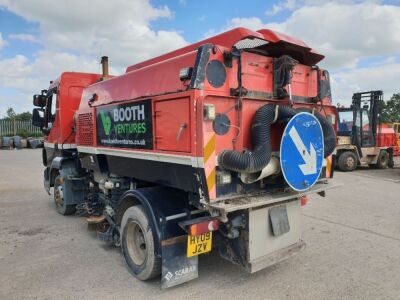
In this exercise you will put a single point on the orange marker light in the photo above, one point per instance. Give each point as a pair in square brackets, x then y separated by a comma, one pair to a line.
[303, 200]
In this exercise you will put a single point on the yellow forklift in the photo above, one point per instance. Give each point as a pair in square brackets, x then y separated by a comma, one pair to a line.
[358, 128]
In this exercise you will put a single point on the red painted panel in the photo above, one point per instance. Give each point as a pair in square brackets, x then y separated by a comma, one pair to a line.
[304, 81]
[257, 77]
[153, 80]
[70, 87]
[172, 125]
[256, 72]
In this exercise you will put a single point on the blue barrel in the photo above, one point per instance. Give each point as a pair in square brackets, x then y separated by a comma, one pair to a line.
[8, 142]
[35, 143]
[17, 142]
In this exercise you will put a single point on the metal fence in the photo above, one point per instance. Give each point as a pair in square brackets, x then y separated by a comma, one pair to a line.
[13, 127]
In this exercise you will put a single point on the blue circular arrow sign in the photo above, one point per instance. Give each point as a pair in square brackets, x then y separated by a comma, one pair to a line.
[302, 151]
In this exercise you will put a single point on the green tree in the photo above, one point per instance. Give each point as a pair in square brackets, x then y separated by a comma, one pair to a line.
[25, 116]
[10, 113]
[390, 112]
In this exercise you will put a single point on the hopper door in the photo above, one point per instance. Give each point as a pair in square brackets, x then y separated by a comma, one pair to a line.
[172, 120]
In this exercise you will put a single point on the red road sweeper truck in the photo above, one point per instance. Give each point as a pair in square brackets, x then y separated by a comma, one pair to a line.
[214, 146]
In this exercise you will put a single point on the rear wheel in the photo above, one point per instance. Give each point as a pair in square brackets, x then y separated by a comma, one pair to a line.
[137, 244]
[347, 161]
[383, 160]
[61, 206]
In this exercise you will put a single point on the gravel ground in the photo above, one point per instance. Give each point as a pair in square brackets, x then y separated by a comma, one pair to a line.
[352, 236]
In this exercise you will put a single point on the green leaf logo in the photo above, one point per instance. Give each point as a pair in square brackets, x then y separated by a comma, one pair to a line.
[106, 120]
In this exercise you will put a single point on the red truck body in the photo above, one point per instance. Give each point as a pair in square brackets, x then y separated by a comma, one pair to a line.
[182, 151]
[174, 103]
[386, 137]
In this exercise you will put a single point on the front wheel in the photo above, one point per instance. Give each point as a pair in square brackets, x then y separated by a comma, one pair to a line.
[347, 161]
[62, 208]
[137, 244]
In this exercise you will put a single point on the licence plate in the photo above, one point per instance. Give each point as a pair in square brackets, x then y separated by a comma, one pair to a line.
[199, 244]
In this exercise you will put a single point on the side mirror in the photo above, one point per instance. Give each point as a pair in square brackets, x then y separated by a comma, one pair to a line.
[39, 100]
[38, 117]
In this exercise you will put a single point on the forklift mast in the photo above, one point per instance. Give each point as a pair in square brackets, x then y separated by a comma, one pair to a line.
[366, 118]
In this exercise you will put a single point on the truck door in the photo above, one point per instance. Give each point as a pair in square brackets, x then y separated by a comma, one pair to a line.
[51, 116]
[173, 125]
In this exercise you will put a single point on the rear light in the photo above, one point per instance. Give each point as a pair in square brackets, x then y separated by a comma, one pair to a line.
[303, 200]
[224, 178]
[203, 227]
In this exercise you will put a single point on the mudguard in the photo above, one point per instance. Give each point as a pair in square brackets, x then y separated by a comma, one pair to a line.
[50, 173]
[169, 239]
[158, 203]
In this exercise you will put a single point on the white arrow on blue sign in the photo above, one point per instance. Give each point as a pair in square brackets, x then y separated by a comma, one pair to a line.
[302, 151]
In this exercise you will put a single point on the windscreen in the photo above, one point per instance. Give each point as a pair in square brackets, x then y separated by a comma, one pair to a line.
[345, 122]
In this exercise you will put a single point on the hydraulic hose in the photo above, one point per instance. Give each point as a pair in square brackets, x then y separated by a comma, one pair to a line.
[254, 161]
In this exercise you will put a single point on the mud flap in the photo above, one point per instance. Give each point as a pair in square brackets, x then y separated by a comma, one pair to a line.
[279, 220]
[177, 268]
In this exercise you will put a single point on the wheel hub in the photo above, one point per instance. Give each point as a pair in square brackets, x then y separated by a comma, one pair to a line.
[136, 243]
[350, 162]
[58, 195]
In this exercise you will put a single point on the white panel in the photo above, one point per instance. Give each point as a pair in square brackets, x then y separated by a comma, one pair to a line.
[261, 240]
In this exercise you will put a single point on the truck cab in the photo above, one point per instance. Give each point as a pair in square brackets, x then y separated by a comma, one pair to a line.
[54, 114]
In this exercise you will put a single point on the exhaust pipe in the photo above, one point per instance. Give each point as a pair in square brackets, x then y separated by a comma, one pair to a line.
[104, 67]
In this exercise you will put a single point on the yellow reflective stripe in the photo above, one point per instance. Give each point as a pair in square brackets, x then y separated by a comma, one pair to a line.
[211, 180]
[209, 149]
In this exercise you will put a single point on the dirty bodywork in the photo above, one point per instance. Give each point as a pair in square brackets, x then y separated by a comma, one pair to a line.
[188, 145]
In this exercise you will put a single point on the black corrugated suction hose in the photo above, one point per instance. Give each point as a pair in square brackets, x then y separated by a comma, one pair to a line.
[254, 161]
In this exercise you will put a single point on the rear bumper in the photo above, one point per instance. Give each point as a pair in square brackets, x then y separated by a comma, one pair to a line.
[225, 206]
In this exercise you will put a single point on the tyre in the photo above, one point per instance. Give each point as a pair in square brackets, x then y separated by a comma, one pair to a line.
[347, 162]
[137, 244]
[383, 160]
[61, 206]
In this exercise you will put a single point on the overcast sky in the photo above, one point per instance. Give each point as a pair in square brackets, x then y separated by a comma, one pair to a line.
[42, 38]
